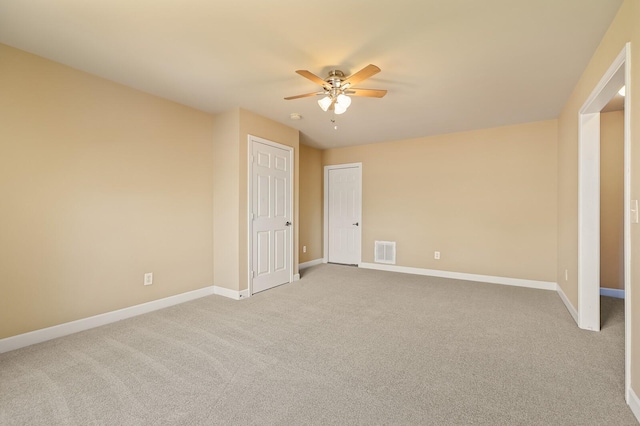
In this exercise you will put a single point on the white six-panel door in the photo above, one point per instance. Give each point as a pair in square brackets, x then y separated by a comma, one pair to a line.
[271, 221]
[344, 214]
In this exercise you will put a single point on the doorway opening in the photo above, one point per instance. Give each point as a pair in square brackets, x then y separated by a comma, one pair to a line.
[589, 200]
[612, 212]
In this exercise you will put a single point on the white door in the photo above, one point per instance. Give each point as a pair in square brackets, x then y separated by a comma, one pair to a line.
[344, 218]
[271, 217]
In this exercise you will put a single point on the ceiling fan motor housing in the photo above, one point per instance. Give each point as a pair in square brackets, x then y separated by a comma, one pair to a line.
[335, 80]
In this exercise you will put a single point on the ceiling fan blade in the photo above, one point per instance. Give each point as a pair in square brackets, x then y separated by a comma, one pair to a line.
[306, 95]
[370, 93]
[363, 74]
[311, 76]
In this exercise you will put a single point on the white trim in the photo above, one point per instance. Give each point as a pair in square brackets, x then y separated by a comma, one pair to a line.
[325, 258]
[44, 334]
[250, 140]
[517, 282]
[634, 403]
[310, 263]
[231, 294]
[296, 277]
[568, 305]
[627, 224]
[612, 292]
[249, 216]
[589, 221]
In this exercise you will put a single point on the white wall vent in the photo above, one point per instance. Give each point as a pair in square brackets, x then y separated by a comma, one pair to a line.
[385, 252]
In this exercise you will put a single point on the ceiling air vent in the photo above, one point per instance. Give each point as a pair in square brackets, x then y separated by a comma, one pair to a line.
[385, 252]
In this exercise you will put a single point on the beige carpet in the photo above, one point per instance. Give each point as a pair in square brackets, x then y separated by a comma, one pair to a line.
[341, 346]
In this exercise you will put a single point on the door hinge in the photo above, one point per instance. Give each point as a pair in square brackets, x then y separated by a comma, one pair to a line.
[253, 274]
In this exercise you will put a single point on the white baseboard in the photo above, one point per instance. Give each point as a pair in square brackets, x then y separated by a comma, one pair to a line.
[309, 264]
[44, 334]
[568, 305]
[296, 277]
[231, 294]
[634, 404]
[612, 292]
[541, 285]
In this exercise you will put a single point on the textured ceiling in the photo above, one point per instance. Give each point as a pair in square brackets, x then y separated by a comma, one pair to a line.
[448, 65]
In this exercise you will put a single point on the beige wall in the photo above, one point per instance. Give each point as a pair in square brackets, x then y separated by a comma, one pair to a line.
[485, 199]
[311, 203]
[99, 184]
[624, 28]
[612, 200]
[226, 200]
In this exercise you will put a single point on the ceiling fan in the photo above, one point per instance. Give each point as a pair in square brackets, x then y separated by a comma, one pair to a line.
[337, 88]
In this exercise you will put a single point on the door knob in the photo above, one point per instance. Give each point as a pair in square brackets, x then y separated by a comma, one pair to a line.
[287, 224]
[357, 224]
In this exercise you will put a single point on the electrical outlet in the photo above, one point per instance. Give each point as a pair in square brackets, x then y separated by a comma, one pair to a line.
[148, 278]
[304, 249]
[436, 255]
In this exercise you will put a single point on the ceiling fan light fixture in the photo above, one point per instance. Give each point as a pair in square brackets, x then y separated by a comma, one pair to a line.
[336, 87]
[325, 103]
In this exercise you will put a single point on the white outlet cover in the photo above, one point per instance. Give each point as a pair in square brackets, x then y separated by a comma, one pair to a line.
[148, 278]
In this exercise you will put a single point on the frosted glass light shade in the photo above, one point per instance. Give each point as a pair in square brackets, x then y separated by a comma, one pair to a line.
[344, 101]
[339, 108]
[324, 103]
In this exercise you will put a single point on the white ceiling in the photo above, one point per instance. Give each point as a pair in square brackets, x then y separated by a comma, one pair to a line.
[448, 65]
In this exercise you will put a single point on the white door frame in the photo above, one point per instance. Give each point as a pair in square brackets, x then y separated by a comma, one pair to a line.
[325, 244]
[617, 75]
[250, 140]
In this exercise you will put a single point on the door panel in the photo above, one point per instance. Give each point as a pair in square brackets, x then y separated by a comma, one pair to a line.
[271, 222]
[280, 197]
[263, 253]
[344, 215]
[280, 250]
[263, 196]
